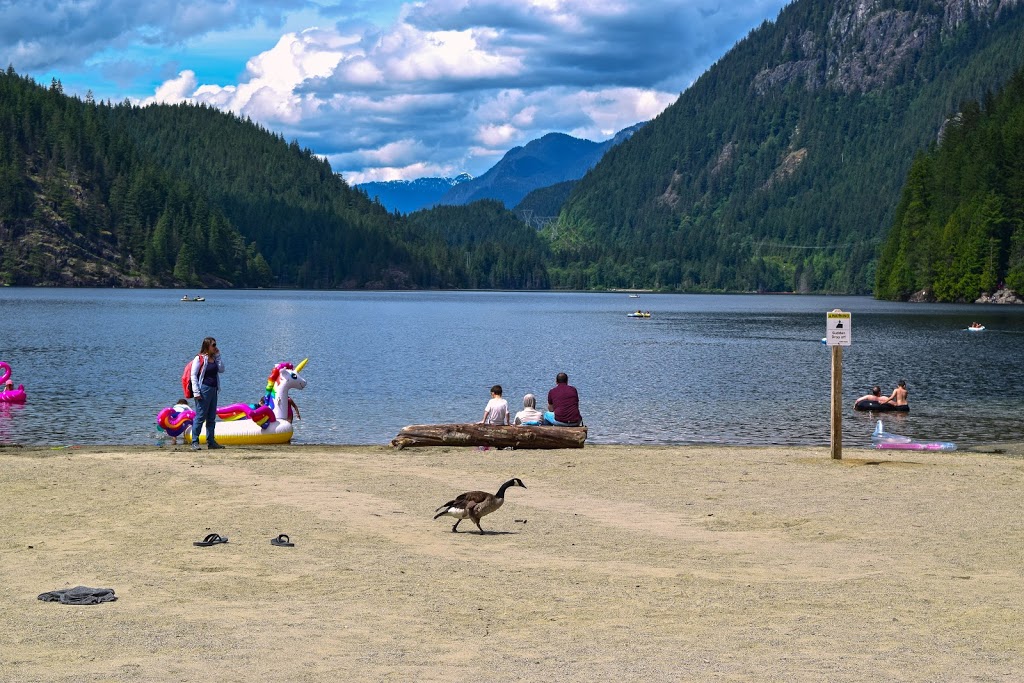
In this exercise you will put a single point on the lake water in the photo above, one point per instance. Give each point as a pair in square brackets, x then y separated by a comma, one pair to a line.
[99, 364]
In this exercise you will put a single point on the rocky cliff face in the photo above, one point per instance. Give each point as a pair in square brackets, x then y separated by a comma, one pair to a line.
[48, 252]
[868, 42]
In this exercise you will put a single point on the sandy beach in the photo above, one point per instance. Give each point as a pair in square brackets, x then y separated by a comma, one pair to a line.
[614, 564]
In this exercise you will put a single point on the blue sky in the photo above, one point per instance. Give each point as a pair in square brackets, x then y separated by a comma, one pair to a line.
[383, 89]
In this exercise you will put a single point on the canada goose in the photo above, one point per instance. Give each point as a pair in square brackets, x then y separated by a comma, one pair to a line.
[476, 504]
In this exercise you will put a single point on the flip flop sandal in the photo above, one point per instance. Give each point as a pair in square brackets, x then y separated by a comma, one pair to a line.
[211, 539]
[282, 541]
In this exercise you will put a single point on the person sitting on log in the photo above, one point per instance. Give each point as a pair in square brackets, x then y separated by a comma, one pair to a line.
[529, 415]
[563, 404]
[496, 412]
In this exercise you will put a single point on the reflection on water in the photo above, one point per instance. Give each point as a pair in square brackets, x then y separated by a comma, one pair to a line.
[99, 364]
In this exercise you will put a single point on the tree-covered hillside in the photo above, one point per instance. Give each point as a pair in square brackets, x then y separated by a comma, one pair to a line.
[79, 205]
[781, 167]
[120, 195]
[313, 229]
[544, 203]
[494, 249]
[959, 228]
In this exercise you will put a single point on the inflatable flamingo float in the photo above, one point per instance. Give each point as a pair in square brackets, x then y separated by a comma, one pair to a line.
[266, 422]
[10, 395]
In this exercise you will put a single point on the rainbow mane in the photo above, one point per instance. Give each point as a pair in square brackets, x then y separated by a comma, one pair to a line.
[174, 422]
[261, 413]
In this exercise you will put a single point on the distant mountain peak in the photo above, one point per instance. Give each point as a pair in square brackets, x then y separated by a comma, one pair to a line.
[549, 160]
[407, 196]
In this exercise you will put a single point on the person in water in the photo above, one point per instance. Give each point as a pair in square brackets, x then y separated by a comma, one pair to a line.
[899, 394]
[874, 397]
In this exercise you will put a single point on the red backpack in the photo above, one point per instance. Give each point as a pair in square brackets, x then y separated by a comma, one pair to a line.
[186, 376]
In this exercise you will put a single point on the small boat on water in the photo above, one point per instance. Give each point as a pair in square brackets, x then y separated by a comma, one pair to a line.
[639, 314]
[634, 296]
[976, 327]
[195, 298]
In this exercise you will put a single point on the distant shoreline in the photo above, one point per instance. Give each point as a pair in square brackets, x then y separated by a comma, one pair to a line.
[1013, 449]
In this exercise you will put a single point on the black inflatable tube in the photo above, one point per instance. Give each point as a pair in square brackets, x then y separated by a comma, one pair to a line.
[880, 407]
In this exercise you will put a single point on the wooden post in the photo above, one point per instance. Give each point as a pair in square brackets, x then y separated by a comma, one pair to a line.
[837, 403]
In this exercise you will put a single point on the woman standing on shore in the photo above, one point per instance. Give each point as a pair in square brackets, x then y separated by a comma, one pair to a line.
[206, 369]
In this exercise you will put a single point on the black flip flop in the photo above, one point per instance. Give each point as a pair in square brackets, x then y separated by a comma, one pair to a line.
[282, 541]
[211, 539]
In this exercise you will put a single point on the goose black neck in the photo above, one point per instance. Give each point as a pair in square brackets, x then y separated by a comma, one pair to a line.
[501, 491]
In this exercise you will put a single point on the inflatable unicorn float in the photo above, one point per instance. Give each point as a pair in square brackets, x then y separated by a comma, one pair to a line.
[266, 422]
[10, 395]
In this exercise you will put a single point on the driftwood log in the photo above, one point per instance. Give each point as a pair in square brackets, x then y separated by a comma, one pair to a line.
[495, 436]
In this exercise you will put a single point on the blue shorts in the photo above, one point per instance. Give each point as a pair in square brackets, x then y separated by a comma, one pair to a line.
[549, 419]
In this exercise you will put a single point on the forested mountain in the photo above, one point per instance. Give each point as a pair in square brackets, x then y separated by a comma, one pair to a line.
[551, 159]
[539, 164]
[781, 167]
[120, 195]
[959, 228]
[313, 229]
[498, 251]
[79, 205]
[543, 205]
[406, 196]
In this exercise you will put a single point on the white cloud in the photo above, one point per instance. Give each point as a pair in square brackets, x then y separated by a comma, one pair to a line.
[175, 90]
[606, 109]
[411, 171]
[496, 135]
[269, 91]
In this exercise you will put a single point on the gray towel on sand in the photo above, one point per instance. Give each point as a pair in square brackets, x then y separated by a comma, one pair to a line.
[79, 595]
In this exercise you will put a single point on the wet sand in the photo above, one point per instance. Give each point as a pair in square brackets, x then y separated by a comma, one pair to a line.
[615, 564]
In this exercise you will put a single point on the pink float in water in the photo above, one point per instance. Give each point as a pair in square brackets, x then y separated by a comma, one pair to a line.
[10, 395]
[884, 440]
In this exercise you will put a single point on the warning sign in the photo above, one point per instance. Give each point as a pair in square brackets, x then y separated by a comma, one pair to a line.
[838, 328]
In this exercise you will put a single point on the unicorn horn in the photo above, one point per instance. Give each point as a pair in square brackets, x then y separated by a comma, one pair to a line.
[301, 365]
